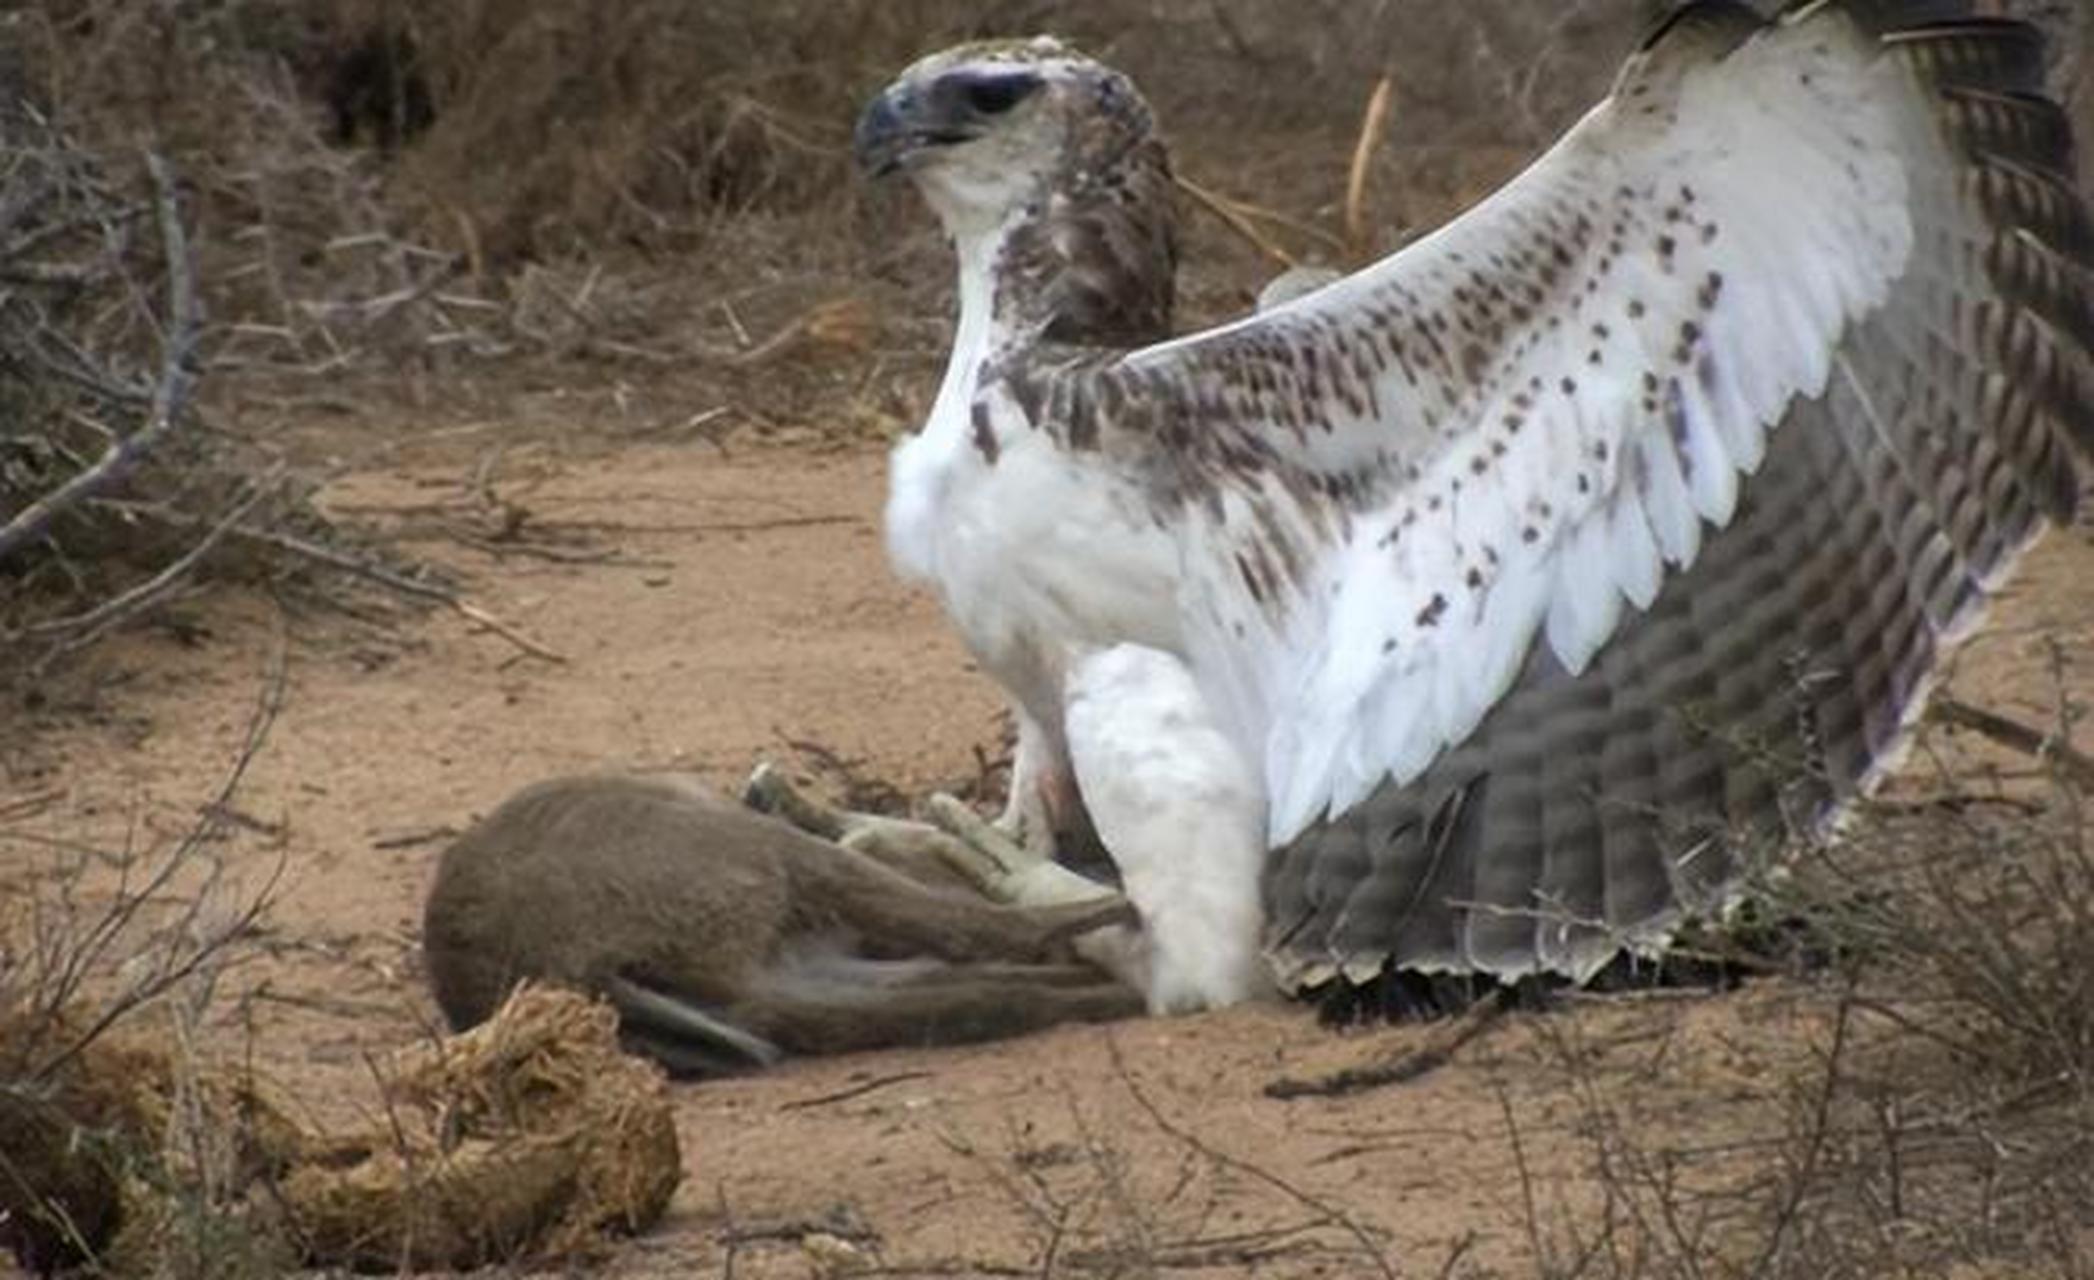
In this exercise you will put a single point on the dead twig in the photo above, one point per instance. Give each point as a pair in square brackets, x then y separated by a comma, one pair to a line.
[2048, 747]
[170, 395]
[1530, 1210]
[66, 961]
[358, 566]
[1328, 1213]
[1803, 1178]
[30, 805]
[474, 613]
[1456, 1254]
[418, 835]
[457, 603]
[714, 526]
[1233, 215]
[858, 1090]
[1426, 1058]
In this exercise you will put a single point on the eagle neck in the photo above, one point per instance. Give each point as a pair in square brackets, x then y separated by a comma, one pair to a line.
[982, 335]
[922, 471]
[1090, 260]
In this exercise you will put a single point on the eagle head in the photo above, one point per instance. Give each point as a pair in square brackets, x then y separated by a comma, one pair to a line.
[1054, 157]
[981, 128]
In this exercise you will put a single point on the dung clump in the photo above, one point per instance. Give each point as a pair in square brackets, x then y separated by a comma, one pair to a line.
[530, 1136]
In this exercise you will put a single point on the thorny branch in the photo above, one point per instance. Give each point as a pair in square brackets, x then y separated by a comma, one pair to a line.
[170, 394]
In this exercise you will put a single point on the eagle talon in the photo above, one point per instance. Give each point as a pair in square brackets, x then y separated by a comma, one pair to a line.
[1005, 867]
[980, 853]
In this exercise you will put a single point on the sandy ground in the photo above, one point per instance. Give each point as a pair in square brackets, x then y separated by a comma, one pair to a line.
[745, 604]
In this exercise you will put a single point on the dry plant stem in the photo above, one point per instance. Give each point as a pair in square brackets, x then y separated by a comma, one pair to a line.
[1803, 1178]
[2048, 747]
[337, 559]
[858, 1090]
[1372, 126]
[1328, 1212]
[1231, 213]
[1426, 1058]
[400, 582]
[1530, 1211]
[1455, 1254]
[170, 395]
[715, 526]
[83, 629]
[58, 982]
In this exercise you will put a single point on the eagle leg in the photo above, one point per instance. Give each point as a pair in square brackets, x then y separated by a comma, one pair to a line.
[1183, 814]
[1038, 772]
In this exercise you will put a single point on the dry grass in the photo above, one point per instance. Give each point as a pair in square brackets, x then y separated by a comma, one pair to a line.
[1936, 1118]
[433, 205]
[706, 141]
[109, 961]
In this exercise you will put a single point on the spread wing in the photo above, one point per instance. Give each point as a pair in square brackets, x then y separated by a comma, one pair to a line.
[1733, 402]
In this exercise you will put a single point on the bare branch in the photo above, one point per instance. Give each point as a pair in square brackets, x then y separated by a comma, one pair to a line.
[84, 628]
[170, 394]
[2048, 747]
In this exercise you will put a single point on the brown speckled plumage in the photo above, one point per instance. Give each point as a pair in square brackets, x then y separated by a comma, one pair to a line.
[1098, 266]
[1768, 679]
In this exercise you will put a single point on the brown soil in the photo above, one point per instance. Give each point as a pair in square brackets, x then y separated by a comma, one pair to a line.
[747, 605]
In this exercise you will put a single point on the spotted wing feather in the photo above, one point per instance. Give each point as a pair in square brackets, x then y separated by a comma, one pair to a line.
[1527, 561]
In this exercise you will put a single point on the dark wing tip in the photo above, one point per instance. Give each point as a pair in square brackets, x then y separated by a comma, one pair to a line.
[1997, 54]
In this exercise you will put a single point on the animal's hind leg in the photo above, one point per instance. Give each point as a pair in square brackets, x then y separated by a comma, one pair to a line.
[1008, 869]
[982, 854]
[961, 1004]
[896, 914]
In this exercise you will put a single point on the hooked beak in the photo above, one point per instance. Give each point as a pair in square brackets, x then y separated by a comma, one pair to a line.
[910, 119]
[900, 124]
[881, 138]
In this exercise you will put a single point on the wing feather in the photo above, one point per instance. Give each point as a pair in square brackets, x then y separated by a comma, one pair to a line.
[1476, 474]
[1546, 401]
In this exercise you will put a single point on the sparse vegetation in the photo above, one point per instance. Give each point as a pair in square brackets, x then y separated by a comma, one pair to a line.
[127, 1143]
[1936, 1114]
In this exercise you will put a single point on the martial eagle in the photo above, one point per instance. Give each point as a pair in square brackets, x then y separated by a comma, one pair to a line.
[1481, 610]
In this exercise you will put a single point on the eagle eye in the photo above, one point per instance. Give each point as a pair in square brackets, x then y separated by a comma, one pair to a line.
[992, 95]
